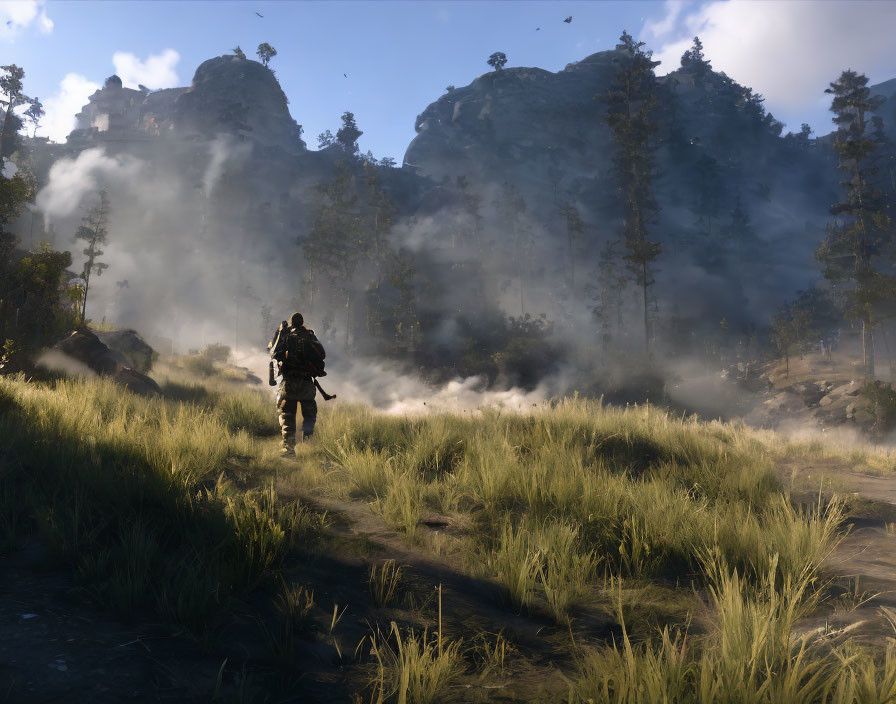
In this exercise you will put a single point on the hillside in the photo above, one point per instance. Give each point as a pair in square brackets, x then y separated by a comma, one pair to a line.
[216, 178]
[498, 556]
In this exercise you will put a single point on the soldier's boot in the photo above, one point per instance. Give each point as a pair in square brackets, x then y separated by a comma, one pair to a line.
[288, 432]
[309, 418]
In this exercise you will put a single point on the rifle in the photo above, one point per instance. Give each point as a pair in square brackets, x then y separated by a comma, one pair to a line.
[327, 397]
[272, 347]
[272, 371]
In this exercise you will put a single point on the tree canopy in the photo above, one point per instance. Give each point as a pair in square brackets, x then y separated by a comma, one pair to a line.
[265, 53]
[497, 60]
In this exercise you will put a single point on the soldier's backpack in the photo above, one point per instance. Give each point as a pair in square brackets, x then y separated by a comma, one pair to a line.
[304, 354]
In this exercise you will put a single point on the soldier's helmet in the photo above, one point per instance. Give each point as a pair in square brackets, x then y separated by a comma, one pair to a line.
[296, 320]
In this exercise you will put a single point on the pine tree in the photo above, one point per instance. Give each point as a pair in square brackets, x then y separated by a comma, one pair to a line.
[608, 292]
[93, 231]
[348, 134]
[790, 327]
[35, 114]
[631, 104]
[513, 206]
[709, 196]
[694, 61]
[402, 277]
[575, 230]
[338, 240]
[852, 253]
[11, 87]
[378, 212]
[738, 233]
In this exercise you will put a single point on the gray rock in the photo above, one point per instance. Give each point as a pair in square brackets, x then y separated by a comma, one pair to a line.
[132, 350]
[238, 97]
[87, 349]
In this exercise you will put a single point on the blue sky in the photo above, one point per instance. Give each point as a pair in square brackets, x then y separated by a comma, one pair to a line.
[400, 56]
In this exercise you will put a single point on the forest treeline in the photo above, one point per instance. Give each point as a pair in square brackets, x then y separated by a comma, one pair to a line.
[465, 303]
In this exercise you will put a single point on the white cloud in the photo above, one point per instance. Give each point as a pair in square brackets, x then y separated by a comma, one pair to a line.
[62, 107]
[17, 15]
[788, 50]
[654, 29]
[156, 72]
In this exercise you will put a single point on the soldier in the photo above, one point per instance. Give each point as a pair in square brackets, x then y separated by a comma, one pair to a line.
[299, 356]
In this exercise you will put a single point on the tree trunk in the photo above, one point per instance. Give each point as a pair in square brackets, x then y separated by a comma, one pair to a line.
[867, 351]
[348, 316]
[84, 302]
[5, 138]
[891, 366]
[646, 317]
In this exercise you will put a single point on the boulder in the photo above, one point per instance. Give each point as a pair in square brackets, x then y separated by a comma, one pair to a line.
[131, 349]
[87, 349]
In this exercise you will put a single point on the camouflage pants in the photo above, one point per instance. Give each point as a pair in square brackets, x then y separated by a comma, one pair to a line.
[295, 392]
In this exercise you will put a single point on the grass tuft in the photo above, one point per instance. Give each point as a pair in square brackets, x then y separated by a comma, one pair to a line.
[413, 669]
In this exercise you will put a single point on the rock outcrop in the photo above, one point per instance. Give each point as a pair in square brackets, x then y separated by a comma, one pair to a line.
[115, 113]
[520, 125]
[731, 189]
[86, 349]
[228, 95]
[239, 97]
[131, 349]
[821, 405]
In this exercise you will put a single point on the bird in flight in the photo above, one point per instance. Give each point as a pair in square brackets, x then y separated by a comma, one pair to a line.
[260, 15]
[538, 29]
[344, 75]
[568, 19]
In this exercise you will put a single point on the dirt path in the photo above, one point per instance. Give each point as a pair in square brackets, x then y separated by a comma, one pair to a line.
[865, 561]
[55, 648]
[470, 606]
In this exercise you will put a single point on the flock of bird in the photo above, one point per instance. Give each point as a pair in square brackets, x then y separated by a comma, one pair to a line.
[568, 20]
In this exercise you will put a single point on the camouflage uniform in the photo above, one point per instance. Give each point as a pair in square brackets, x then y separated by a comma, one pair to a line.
[296, 390]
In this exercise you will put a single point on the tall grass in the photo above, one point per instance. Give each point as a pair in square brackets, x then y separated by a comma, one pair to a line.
[415, 668]
[128, 491]
[576, 485]
[570, 508]
[752, 654]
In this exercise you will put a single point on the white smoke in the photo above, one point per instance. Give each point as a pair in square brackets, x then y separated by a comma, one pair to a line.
[221, 150]
[384, 386]
[58, 361]
[9, 168]
[72, 180]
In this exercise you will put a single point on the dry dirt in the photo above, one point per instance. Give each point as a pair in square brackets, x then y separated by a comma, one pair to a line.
[864, 563]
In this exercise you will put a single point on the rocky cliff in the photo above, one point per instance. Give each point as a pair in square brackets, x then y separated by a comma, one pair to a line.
[479, 200]
[228, 95]
[732, 190]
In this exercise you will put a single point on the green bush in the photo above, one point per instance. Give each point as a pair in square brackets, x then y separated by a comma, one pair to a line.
[882, 398]
[199, 366]
[217, 353]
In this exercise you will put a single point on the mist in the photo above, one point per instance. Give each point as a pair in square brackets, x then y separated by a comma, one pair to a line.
[481, 292]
